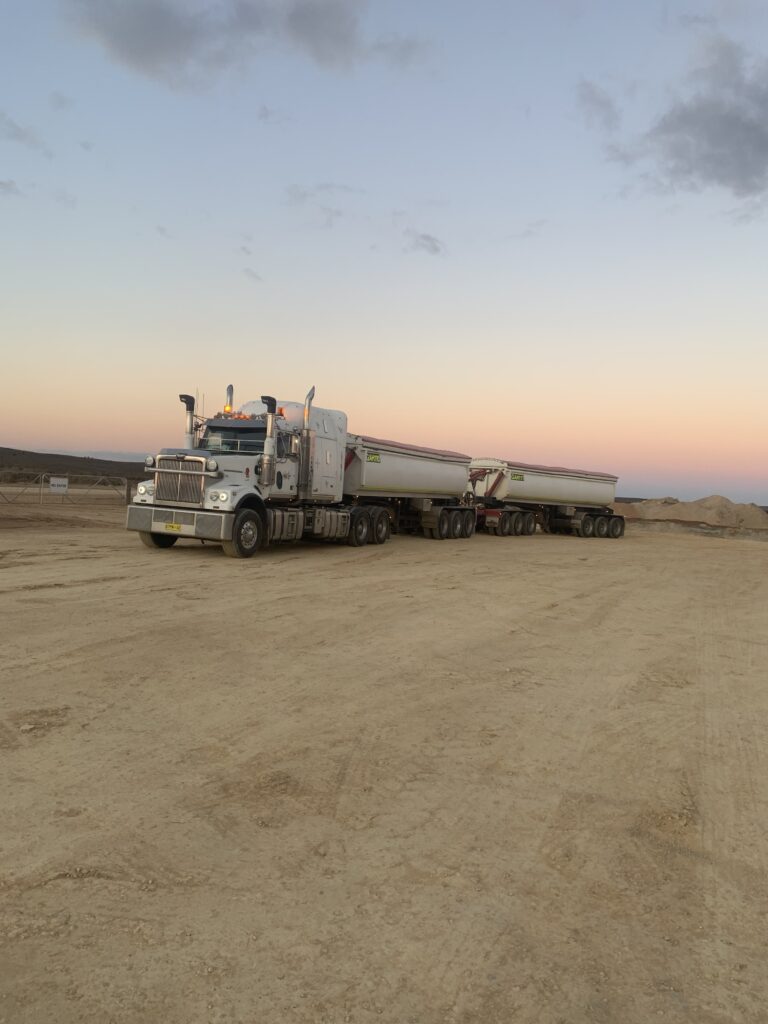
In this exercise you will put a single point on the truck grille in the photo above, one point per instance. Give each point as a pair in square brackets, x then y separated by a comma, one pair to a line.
[180, 480]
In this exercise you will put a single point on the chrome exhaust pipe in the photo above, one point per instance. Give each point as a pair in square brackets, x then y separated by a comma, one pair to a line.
[268, 467]
[305, 458]
[189, 434]
[230, 398]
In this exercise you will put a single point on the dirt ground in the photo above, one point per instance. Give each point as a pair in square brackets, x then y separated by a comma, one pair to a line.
[476, 782]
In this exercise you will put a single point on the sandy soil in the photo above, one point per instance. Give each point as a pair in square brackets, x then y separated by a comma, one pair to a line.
[487, 781]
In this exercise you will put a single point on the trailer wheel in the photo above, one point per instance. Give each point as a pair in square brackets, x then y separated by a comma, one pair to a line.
[248, 535]
[504, 524]
[359, 528]
[455, 524]
[443, 528]
[157, 540]
[587, 527]
[517, 523]
[529, 523]
[380, 526]
[615, 527]
[467, 522]
[601, 526]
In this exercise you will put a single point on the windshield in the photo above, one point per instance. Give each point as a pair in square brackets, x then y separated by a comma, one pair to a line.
[239, 439]
[249, 440]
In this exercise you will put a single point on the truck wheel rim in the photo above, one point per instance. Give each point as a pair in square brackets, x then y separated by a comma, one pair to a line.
[248, 535]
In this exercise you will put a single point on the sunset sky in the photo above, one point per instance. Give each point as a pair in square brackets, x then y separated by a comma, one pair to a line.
[528, 230]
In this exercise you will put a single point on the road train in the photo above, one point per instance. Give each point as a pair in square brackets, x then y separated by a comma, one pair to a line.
[283, 471]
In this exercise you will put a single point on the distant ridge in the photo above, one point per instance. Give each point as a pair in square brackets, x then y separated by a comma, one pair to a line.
[54, 462]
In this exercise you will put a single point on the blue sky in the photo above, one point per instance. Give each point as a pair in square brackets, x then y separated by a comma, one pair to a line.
[527, 230]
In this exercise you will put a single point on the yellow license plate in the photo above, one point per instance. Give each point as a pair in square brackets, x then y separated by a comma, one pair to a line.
[176, 527]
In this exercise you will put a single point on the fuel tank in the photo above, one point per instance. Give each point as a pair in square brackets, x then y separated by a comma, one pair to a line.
[389, 469]
[541, 485]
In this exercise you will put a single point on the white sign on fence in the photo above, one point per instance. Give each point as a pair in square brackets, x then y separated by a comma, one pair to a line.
[58, 484]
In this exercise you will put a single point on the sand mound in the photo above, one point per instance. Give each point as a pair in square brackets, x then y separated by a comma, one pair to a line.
[713, 511]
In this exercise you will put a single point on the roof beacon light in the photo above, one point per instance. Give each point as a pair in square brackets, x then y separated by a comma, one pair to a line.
[230, 393]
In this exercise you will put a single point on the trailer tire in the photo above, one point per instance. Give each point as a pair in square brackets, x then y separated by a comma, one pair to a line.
[455, 524]
[248, 535]
[157, 540]
[467, 522]
[443, 528]
[529, 523]
[359, 528]
[505, 526]
[601, 526]
[517, 523]
[380, 526]
[587, 527]
[615, 527]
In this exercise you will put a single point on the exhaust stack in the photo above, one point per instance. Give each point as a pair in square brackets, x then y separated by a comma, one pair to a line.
[305, 463]
[189, 434]
[230, 398]
[267, 474]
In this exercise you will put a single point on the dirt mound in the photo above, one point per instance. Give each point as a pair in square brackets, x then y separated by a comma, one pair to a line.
[713, 511]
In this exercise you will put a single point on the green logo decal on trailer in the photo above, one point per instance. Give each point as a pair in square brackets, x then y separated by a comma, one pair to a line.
[373, 457]
[517, 476]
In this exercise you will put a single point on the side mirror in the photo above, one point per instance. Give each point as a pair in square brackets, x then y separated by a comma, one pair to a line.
[295, 444]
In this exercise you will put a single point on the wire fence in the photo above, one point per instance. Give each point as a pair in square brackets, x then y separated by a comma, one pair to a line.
[19, 487]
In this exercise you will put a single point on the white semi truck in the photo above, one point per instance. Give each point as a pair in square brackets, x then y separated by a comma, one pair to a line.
[282, 471]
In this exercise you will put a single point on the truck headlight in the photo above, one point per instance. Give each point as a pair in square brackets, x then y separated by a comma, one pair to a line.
[223, 496]
[149, 461]
[211, 465]
[150, 489]
[142, 489]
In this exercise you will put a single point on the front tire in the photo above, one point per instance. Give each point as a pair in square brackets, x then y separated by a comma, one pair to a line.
[247, 535]
[157, 540]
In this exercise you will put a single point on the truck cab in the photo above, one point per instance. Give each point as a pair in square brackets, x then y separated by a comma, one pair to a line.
[254, 468]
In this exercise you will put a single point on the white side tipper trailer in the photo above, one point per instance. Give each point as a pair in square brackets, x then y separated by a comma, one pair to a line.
[282, 471]
[513, 497]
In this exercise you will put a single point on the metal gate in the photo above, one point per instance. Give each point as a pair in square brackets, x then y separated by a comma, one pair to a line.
[18, 487]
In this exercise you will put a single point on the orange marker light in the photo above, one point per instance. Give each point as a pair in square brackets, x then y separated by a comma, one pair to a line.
[227, 408]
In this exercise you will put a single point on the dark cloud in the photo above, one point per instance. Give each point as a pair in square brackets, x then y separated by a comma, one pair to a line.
[402, 51]
[9, 188]
[180, 41]
[696, 21]
[268, 115]
[11, 131]
[60, 102]
[529, 230]
[331, 215]
[296, 195]
[712, 133]
[421, 241]
[252, 275]
[598, 106]
[716, 133]
[64, 198]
